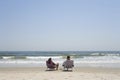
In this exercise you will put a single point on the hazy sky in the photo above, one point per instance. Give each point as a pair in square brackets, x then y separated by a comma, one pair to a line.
[55, 25]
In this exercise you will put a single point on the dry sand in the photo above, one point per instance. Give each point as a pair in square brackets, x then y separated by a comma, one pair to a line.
[76, 74]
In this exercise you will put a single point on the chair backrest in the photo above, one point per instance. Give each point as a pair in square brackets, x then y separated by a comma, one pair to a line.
[49, 65]
[68, 64]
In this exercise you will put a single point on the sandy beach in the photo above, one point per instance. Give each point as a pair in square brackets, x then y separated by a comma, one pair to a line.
[77, 74]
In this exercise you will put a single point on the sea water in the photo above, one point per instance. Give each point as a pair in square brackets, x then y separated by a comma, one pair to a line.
[109, 59]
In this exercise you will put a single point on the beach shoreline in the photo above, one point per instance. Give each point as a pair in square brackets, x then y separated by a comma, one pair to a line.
[75, 69]
[40, 73]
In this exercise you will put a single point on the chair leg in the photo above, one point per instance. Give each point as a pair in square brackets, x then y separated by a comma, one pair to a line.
[67, 69]
[47, 68]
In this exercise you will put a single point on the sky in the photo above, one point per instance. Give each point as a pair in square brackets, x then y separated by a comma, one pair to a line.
[59, 25]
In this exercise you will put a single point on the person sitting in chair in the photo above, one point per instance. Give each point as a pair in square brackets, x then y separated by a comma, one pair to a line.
[51, 65]
[68, 63]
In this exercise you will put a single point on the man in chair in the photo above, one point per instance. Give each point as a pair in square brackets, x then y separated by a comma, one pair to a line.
[68, 63]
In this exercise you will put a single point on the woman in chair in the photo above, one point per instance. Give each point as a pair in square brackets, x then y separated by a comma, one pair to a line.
[50, 64]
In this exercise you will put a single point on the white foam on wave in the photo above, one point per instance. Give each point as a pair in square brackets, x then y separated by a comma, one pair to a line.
[98, 59]
[7, 57]
[43, 57]
[102, 58]
[85, 61]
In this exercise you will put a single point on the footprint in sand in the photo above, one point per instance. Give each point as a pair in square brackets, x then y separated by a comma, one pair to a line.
[70, 76]
[65, 78]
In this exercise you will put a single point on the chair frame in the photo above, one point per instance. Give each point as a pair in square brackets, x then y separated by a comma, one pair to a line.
[50, 67]
[68, 65]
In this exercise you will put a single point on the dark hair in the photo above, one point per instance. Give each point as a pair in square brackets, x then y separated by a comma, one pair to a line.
[49, 60]
[68, 57]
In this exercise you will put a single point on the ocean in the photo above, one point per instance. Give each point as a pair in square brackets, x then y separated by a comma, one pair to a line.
[109, 59]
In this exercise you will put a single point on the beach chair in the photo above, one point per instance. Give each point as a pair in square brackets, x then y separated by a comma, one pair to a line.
[68, 64]
[49, 66]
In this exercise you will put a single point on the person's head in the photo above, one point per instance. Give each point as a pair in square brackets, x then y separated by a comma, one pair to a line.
[50, 59]
[68, 57]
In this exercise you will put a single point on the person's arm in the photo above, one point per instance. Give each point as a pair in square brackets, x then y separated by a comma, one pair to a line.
[53, 63]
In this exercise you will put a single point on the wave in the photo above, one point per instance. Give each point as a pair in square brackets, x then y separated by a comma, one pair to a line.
[7, 57]
[30, 57]
[40, 61]
[104, 58]
[86, 59]
[43, 57]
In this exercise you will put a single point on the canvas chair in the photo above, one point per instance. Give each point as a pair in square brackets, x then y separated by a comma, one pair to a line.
[50, 66]
[68, 64]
